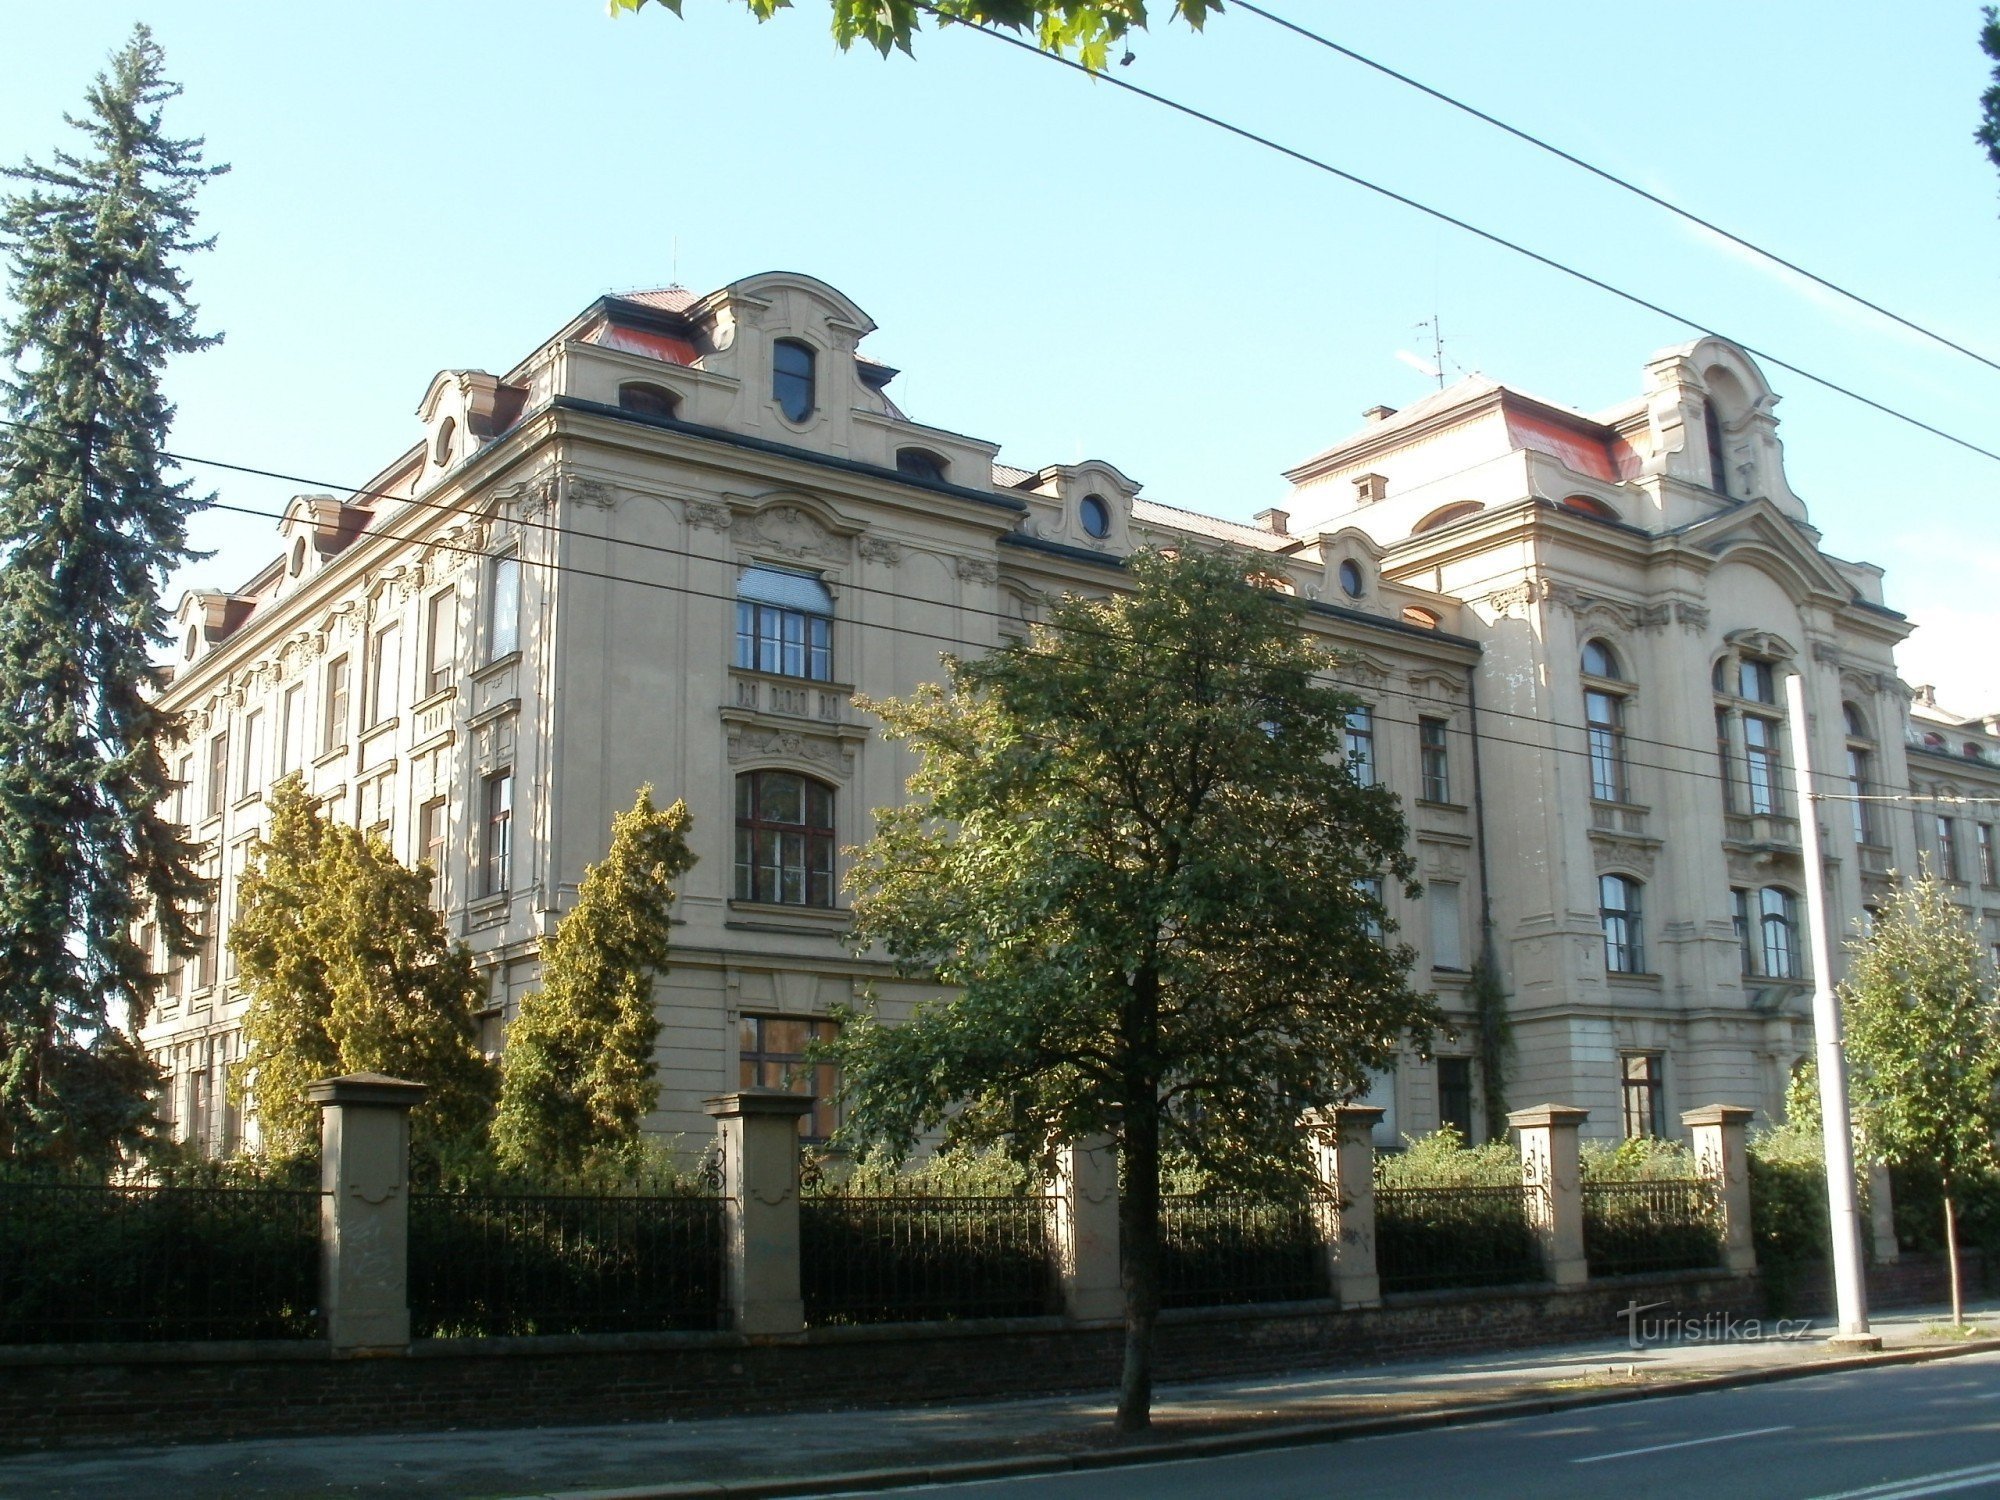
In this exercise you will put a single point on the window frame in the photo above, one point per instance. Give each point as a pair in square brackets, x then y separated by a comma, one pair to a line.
[1459, 1086]
[503, 624]
[1623, 924]
[218, 773]
[248, 783]
[381, 695]
[338, 707]
[496, 836]
[801, 384]
[1434, 757]
[755, 1060]
[1358, 753]
[1944, 833]
[1778, 952]
[769, 881]
[770, 637]
[1642, 1095]
[440, 641]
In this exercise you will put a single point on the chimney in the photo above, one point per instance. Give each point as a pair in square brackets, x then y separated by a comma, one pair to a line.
[1274, 521]
[1378, 414]
[1368, 488]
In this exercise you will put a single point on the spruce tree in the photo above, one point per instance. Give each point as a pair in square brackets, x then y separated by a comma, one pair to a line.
[348, 970]
[577, 1072]
[90, 526]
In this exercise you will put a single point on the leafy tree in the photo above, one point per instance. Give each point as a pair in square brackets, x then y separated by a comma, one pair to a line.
[348, 969]
[577, 1071]
[1988, 133]
[89, 528]
[1131, 849]
[1923, 1046]
[1086, 27]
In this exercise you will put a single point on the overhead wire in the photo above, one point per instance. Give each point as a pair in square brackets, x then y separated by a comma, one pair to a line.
[1453, 102]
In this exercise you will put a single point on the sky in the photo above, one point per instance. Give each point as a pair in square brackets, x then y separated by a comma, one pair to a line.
[1073, 272]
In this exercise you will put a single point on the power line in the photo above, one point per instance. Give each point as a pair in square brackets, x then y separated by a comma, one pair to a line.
[1611, 177]
[1492, 238]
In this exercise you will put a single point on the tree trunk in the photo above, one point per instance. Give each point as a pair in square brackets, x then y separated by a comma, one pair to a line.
[1951, 1261]
[1139, 1244]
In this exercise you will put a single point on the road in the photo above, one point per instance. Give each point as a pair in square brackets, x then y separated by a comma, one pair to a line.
[1882, 1434]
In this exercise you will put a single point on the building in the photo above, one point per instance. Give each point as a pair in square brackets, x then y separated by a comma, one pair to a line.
[673, 542]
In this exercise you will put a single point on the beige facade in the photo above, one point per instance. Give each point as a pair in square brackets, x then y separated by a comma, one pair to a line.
[674, 542]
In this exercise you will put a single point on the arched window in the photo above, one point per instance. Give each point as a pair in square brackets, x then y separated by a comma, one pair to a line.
[792, 379]
[1585, 505]
[1604, 721]
[1748, 733]
[784, 839]
[1778, 929]
[647, 400]
[920, 463]
[784, 624]
[1624, 932]
[1860, 773]
[1446, 515]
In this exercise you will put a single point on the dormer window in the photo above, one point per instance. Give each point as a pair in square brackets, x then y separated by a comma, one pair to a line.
[1095, 516]
[298, 562]
[647, 400]
[1352, 583]
[792, 379]
[447, 435]
[920, 463]
[1718, 462]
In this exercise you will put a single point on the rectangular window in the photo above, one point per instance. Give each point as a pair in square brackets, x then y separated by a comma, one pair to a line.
[210, 925]
[1361, 745]
[1455, 1094]
[1624, 926]
[218, 773]
[1447, 926]
[1644, 1096]
[239, 861]
[1725, 757]
[1603, 718]
[334, 731]
[1859, 779]
[249, 772]
[1760, 763]
[440, 641]
[1989, 857]
[1947, 848]
[1435, 755]
[1779, 917]
[772, 1056]
[431, 831]
[503, 606]
[784, 624]
[497, 847]
[184, 792]
[1371, 887]
[292, 729]
[1739, 911]
[385, 667]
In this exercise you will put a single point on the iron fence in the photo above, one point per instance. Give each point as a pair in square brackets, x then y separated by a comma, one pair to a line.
[89, 1262]
[498, 1263]
[1671, 1224]
[1219, 1249]
[1431, 1238]
[902, 1259]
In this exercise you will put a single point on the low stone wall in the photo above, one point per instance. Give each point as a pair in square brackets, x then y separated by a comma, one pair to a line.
[1915, 1279]
[97, 1394]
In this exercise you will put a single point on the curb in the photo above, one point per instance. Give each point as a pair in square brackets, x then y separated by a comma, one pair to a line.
[1293, 1435]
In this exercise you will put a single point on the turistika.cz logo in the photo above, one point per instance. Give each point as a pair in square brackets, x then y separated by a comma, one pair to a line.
[1704, 1328]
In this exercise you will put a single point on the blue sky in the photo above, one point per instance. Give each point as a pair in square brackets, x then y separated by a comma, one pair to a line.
[1071, 272]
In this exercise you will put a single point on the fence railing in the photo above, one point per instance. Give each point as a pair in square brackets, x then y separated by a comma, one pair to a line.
[917, 1258]
[1669, 1224]
[1434, 1238]
[1220, 1249]
[91, 1263]
[498, 1264]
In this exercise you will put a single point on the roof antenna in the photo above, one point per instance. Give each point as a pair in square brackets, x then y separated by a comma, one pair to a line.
[1435, 323]
[675, 279]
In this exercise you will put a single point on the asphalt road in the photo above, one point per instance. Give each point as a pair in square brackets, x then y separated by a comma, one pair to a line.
[1882, 1434]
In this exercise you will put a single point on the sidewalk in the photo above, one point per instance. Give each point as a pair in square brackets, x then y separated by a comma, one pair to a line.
[795, 1453]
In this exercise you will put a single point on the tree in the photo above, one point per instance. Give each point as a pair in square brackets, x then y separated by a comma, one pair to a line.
[577, 1074]
[1923, 1046]
[1088, 28]
[348, 969]
[90, 526]
[1131, 849]
[1988, 133]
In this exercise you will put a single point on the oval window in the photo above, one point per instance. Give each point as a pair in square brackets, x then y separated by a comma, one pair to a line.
[1095, 515]
[444, 440]
[1351, 582]
[298, 556]
[193, 640]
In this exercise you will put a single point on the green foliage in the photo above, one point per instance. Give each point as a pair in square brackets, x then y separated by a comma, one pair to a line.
[1442, 1159]
[1923, 1038]
[577, 1074]
[1988, 133]
[1636, 1160]
[1130, 848]
[89, 529]
[1788, 1209]
[348, 969]
[1087, 28]
[1494, 1037]
[964, 1173]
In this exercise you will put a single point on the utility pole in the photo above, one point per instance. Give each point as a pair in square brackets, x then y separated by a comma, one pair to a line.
[1843, 1216]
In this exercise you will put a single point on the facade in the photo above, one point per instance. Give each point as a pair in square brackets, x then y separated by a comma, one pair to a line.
[674, 542]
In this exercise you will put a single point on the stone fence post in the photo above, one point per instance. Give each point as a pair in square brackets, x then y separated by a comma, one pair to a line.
[1553, 1172]
[759, 1134]
[364, 1215]
[1717, 1132]
[1343, 1143]
[1085, 1236]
